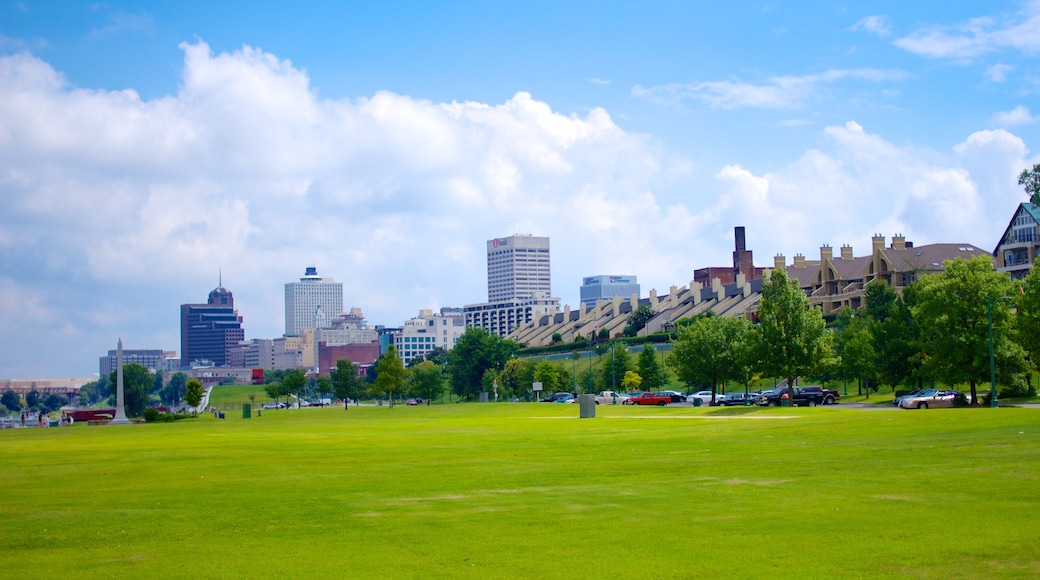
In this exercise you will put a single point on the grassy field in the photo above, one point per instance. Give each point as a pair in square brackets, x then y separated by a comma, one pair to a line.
[529, 490]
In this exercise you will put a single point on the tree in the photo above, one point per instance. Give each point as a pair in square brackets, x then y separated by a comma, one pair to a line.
[54, 402]
[710, 350]
[1027, 318]
[516, 377]
[426, 381]
[476, 351]
[293, 383]
[391, 374]
[649, 369]
[158, 384]
[11, 400]
[546, 373]
[137, 388]
[174, 390]
[637, 319]
[952, 311]
[193, 393]
[1031, 180]
[858, 357]
[632, 381]
[793, 338]
[614, 367]
[346, 384]
[32, 399]
[323, 386]
[273, 390]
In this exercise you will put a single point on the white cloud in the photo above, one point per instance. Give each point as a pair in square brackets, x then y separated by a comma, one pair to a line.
[998, 72]
[874, 24]
[1020, 115]
[598, 81]
[978, 36]
[781, 92]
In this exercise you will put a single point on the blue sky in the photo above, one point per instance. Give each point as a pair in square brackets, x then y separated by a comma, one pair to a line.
[145, 146]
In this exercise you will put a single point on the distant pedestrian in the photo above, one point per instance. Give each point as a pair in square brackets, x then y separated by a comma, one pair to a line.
[71, 419]
[23, 418]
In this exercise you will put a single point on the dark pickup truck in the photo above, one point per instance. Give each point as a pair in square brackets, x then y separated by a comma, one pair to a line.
[809, 396]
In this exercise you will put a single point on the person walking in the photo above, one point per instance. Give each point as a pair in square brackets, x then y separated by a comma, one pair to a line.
[23, 418]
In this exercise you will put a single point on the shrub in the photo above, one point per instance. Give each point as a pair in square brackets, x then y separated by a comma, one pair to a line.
[151, 415]
[961, 400]
[1016, 391]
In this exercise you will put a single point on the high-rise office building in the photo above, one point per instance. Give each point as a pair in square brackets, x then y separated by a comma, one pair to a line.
[313, 302]
[518, 268]
[595, 288]
[209, 330]
[519, 288]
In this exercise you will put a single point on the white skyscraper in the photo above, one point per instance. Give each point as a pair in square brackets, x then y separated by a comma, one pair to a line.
[312, 302]
[518, 268]
[518, 285]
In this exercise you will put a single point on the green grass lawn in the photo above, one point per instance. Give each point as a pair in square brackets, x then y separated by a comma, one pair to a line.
[529, 490]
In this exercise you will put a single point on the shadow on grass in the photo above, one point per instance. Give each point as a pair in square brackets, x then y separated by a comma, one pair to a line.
[728, 411]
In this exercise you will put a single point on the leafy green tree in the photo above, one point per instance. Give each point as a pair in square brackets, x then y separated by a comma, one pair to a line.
[637, 319]
[174, 390]
[793, 338]
[293, 383]
[516, 378]
[158, 384]
[476, 351]
[1027, 319]
[709, 351]
[32, 399]
[858, 357]
[193, 393]
[587, 379]
[346, 384]
[1030, 178]
[952, 310]
[548, 374]
[650, 369]
[273, 390]
[137, 388]
[323, 385]
[11, 400]
[426, 381]
[54, 402]
[438, 356]
[614, 367]
[390, 375]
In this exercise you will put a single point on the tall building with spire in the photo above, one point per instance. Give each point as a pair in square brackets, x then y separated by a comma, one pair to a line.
[313, 302]
[209, 330]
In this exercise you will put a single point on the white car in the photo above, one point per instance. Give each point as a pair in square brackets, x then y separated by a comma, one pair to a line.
[929, 399]
[703, 396]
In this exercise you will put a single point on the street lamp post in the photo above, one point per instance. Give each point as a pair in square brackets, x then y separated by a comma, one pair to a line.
[992, 366]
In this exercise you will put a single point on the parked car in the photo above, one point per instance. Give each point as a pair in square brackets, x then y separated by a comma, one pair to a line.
[740, 399]
[912, 393]
[930, 399]
[704, 397]
[650, 399]
[567, 398]
[413, 402]
[553, 397]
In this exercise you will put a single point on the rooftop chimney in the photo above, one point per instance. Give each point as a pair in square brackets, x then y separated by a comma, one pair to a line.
[846, 252]
[799, 261]
[878, 242]
[898, 242]
[826, 252]
[779, 262]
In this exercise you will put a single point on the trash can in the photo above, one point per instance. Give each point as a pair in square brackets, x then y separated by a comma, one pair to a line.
[220, 415]
[587, 406]
[785, 402]
[246, 411]
[697, 402]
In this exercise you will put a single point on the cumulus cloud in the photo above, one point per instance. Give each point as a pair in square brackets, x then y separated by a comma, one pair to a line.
[998, 73]
[978, 36]
[780, 92]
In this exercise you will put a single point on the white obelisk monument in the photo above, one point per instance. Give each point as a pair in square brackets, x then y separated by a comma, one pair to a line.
[120, 418]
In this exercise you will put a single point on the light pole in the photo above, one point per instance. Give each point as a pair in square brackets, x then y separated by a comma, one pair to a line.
[992, 367]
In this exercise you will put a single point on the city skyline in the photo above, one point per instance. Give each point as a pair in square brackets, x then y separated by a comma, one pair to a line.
[143, 146]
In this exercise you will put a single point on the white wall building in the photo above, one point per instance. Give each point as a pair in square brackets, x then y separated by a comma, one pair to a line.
[595, 288]
[313, 302]
[428, 331]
